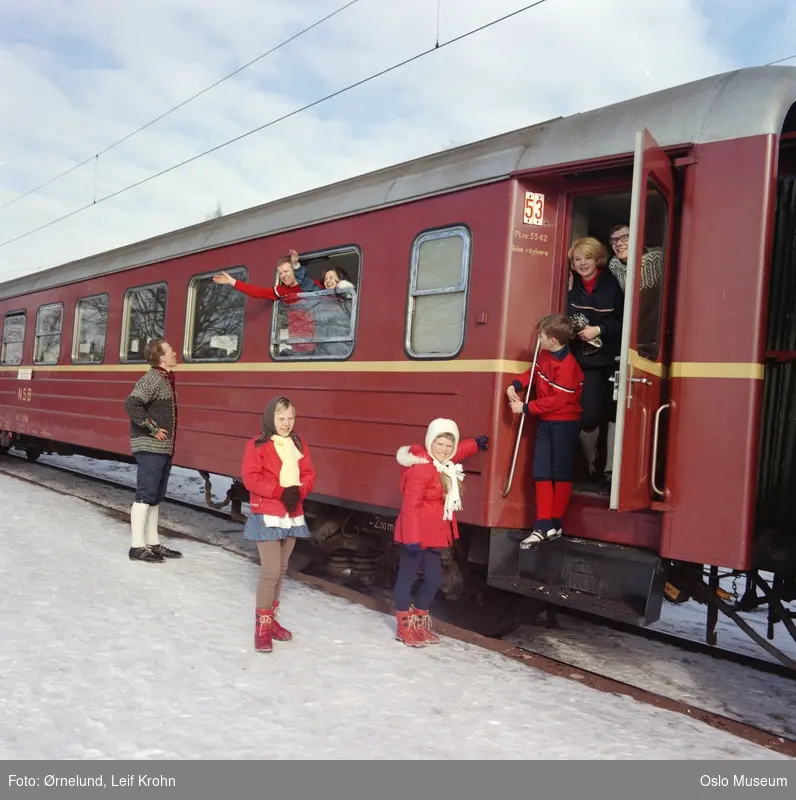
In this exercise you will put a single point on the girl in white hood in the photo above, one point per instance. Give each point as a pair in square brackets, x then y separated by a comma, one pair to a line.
[431, 481]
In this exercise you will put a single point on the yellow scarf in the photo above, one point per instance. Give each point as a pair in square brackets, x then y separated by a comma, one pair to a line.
[289, 454]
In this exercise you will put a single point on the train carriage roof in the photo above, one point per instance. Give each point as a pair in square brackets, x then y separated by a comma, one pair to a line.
[746, 102]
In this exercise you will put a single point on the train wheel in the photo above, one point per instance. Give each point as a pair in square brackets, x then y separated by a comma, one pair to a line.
[32, 453]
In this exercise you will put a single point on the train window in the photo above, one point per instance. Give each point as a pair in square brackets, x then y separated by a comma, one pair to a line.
[438, 293]
[91, 325]
[653, 259]
[214, 322]
[321, 324]
[144, 319]
[13, 338]
[47, 347]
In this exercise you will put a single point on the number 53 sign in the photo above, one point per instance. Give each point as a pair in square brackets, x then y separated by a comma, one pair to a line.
[533, 213]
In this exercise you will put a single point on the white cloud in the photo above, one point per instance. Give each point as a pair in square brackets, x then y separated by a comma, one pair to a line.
[79, 75]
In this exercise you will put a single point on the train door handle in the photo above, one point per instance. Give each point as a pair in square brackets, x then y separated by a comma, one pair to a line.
[644, 381]
[655, 437]
[615, 381]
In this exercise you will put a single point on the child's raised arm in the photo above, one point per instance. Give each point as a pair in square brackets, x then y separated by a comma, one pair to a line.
[469, 447]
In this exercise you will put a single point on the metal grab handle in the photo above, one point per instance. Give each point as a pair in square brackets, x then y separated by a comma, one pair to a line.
[522, 423]
[655, 449]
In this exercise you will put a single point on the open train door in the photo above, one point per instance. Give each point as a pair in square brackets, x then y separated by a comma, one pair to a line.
[638, 382]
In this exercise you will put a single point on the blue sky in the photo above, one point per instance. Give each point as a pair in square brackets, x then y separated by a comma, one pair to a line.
[79, 74]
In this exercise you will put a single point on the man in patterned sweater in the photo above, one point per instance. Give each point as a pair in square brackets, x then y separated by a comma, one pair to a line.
[152, 408]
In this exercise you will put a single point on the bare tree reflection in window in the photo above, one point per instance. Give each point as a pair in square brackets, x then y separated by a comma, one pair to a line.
[92, 326]
[47, 348]
[146, 319]
[217, 323]
[13, 339]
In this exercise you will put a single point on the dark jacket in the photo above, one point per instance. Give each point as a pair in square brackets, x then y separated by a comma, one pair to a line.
[603, 307]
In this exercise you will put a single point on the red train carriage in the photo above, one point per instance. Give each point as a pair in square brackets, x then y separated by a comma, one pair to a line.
[453, 257]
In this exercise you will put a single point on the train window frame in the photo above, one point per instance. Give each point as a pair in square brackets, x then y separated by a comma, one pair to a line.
[189, 317]
[123, 358]
[462, 287]
[36, 335]
[75, 356]
[275, 342]
[10, 314]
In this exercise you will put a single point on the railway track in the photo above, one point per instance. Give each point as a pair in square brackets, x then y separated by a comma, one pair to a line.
[691, 645]
[651, 634]
[551, 665]
[121, 485]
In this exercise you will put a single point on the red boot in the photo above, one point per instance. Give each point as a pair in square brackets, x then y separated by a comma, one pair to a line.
[423, 626]
[263, 630]
[406, 630]
[279, 633]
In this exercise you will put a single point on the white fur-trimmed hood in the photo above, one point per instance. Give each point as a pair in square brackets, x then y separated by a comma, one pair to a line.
[407, 459]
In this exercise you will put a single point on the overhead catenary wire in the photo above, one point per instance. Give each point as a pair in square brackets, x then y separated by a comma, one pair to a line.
[780, 60]
[290, 114]
[185, 102]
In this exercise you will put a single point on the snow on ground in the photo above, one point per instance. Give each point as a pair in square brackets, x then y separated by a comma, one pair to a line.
[686, 620]
[108, 659]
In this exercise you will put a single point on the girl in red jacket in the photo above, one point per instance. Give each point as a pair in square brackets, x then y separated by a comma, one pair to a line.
[278, 472]
[431, 481]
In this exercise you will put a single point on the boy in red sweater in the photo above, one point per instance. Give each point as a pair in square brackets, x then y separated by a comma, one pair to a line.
[559, 382]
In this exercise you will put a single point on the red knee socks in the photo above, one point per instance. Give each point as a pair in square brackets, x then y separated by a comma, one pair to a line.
[544, 503]
[561, 495]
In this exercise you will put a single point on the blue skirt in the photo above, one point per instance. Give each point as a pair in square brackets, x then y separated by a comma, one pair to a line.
[257, 531]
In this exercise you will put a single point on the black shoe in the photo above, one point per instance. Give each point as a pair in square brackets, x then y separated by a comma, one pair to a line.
[165, 552]
[145, 554]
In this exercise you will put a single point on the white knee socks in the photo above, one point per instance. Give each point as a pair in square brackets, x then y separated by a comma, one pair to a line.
[152, 537]
[138, 519]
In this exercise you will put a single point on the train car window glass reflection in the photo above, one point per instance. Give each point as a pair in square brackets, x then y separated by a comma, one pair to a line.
[91, 325]
[13, 338]
[438, 293]
[47, 347]
[144, 319]
[214, 330]
[320, 325]
[653, 260]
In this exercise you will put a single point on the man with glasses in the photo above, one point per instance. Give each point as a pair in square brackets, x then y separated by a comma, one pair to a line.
[651, 261]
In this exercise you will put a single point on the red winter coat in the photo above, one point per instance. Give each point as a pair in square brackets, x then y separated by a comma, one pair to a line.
[261, 468]
[420, 519]
[300, 323]
[559, 385]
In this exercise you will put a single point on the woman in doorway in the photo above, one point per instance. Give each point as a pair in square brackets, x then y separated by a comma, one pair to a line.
[595, 304]
[278, 472]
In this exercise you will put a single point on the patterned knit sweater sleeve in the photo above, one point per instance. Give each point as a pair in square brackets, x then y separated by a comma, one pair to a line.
[138, 401]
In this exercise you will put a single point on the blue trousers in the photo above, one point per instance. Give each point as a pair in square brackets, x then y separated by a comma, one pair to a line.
[153, 477]
[431, 562]
[554, 450]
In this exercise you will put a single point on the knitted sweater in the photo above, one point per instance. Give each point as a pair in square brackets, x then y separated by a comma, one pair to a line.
[151, 405]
